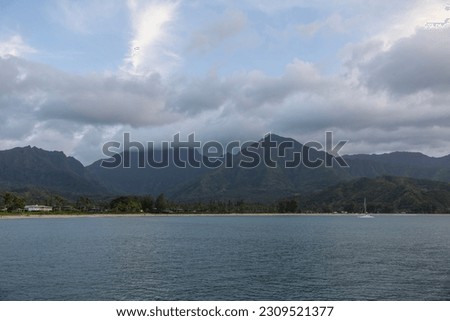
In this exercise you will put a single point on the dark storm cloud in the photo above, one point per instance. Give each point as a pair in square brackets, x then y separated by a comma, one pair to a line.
[195, 96]
[413, 64]
[91, 99]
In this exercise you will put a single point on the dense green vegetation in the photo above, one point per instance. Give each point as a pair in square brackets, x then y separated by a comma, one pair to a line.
[12, 202]
[384, 195]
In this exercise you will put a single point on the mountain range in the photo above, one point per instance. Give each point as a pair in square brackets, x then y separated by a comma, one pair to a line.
[29, 168]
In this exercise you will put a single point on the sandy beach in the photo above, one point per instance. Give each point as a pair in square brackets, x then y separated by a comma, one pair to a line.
[34, 216]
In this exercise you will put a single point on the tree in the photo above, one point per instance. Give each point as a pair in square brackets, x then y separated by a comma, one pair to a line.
[240, 206]
[56, 201]
[126, 204]
[13, 202]
[287, 206]
[281, 207]
[84, 203]
[350, 207]
[161, 203]
[291, 206]
[147, 203]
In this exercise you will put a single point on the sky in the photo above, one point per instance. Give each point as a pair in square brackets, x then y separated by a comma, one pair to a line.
[77, 74]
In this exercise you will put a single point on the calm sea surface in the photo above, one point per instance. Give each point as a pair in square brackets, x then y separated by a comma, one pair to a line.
[226, 258]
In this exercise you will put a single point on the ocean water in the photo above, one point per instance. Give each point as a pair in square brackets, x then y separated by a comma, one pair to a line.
[226, 258]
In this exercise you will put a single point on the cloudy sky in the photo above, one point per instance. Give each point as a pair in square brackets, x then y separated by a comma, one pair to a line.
[77, 74]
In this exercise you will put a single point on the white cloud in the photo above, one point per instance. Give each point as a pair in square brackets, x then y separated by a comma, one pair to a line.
[150, 48]
[15, 46]
[408, 19]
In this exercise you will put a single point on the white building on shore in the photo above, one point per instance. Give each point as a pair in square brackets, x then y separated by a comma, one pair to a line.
[38, 208]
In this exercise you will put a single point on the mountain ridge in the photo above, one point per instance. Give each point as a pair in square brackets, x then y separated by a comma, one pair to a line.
[32, 167]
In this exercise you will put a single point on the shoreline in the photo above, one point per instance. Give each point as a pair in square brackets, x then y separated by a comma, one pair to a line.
[43, 216]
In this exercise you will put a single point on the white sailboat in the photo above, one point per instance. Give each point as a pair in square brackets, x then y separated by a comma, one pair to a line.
[365, 214]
